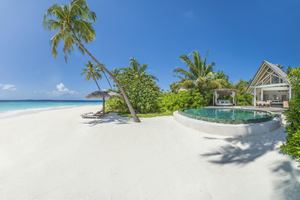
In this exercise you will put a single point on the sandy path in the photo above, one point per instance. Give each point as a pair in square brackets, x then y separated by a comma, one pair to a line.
[57, 155]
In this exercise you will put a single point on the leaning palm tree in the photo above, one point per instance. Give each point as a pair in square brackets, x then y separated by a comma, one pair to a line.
[92, 72]
[73, 23]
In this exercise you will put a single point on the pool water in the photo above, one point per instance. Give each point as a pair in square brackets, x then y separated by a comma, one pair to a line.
[228, 115]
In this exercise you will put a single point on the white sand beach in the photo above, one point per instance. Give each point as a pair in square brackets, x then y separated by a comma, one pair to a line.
[56, 155]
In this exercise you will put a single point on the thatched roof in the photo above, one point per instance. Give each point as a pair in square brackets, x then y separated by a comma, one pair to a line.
[102, 94]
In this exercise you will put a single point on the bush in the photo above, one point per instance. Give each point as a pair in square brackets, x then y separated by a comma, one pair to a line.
[292, 145]
[142, 93]
[116, 104]
[140, 87]
[244, 99]
[170, 102]
[293, 113]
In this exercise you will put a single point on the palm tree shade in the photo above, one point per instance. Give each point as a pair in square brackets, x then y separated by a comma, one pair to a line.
[73, 23]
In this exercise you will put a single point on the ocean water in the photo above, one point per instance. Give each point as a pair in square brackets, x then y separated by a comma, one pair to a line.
[41, 104]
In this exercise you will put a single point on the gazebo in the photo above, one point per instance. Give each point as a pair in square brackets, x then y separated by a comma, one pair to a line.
[224, 97]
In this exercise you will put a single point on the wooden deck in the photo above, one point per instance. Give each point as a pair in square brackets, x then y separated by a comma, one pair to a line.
[276, 110]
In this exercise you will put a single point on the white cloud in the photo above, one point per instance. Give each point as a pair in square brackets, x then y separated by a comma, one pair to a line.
[61, 89]
[8, 87]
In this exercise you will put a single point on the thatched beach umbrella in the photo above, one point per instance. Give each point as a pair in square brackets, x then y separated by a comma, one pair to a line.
[102, 95]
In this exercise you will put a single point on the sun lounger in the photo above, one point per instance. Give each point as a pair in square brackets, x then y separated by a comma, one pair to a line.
[264, 103]
[260, 103]
[92, 115]
[224, 103]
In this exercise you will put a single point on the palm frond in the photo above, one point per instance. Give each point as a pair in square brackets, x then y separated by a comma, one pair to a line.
[180, 71]
[187, 60]
[54, 43]
[73, 23]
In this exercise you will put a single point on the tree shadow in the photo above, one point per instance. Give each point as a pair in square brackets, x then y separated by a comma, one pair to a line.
[288, 186]
[245, 149]
[108, 118]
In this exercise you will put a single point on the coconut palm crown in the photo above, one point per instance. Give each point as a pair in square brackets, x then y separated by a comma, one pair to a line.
[72, 22]
[197, 67]
[199, 74]
[73, 25]
[92, 72]
[137, 70]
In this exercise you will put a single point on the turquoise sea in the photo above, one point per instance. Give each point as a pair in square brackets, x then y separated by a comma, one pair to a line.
[13, 105]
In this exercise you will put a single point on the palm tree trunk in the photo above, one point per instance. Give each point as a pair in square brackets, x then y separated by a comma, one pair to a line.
[103, 101]
[129, 105]
[107, 79]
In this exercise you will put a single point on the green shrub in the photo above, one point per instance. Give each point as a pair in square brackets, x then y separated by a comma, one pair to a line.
[140, 86]
[293, 112]
[244, 99]
[292, 145]
[116, 104]
[170, 102]
[142, 92]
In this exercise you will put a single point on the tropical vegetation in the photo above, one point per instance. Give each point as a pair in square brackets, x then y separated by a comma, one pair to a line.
[192, 90]
[93, 72]
[199, 75]
[141, 88]
[170, 101]
[243, 98]
[73, 23]
[292, 144]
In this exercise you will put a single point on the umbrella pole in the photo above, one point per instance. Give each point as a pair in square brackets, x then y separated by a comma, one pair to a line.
[103, 105]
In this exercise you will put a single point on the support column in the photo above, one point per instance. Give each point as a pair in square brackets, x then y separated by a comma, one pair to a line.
[262, 94]
[233, 98]
[290, 92]
[214, 98]
[254, 97]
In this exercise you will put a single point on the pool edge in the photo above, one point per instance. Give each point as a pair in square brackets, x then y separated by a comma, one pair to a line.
[228, 130]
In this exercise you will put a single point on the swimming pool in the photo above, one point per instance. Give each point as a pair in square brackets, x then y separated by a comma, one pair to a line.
[228, 121]
[228, 115]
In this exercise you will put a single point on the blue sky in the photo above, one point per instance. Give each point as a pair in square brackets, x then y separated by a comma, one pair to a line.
[236, 34]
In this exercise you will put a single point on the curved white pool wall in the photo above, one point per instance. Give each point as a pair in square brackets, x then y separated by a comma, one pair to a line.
[230, 130]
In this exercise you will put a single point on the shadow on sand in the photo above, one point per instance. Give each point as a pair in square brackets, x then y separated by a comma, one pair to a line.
[287, 186]
[108, 118]
[246, 149]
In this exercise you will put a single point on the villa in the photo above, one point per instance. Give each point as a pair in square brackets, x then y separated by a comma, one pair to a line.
[270, 86]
